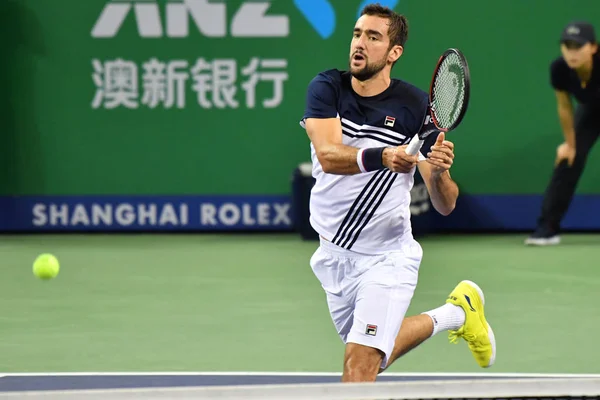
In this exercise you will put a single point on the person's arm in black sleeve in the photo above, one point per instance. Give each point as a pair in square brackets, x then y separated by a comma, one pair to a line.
[325, 129]
[558, 75]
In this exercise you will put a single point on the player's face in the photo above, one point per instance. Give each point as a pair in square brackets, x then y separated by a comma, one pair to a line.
[370, 47]
[576, 55]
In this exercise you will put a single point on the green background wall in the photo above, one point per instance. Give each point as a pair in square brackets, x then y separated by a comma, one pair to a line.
[54, 142]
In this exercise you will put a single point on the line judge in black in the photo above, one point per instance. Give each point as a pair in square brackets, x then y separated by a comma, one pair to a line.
[576, 74]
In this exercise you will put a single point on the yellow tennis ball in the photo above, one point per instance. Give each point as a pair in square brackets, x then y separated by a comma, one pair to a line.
[46, 266]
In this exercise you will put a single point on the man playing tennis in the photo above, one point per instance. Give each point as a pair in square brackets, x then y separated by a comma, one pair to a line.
[576, 73]
[359, 122]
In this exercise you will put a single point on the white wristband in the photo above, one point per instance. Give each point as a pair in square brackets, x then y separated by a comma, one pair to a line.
[359, 160]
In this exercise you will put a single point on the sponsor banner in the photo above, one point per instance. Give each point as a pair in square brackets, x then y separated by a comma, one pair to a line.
[145, 213]
[264, 213]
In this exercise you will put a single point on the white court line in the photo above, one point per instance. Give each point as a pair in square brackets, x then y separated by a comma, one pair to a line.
[384, 390]
[313, 374]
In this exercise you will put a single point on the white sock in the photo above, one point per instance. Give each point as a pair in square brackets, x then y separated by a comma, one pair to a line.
[446, 317]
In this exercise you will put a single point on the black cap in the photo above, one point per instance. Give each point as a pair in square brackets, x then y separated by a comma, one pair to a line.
[579, 32]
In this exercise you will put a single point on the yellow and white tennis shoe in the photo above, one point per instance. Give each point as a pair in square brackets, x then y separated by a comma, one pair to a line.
[476, 331]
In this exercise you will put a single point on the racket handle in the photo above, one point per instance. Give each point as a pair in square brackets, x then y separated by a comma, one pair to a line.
[414, 146]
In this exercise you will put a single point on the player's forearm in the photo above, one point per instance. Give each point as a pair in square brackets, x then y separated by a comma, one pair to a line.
[565, 115]
[443, 192]
[338, 159]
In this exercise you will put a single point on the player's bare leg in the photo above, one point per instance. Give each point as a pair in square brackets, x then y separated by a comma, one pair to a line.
[417, 329]
[361, 363]
[414, 331]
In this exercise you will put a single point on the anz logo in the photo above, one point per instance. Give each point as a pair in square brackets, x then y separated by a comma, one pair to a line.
[321, 15]
[210, 18]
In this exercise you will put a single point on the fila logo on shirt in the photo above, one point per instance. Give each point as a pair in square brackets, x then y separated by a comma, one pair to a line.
[389, 121]
[371, 330]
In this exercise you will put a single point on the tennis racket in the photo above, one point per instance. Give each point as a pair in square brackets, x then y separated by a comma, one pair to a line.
[448, 97]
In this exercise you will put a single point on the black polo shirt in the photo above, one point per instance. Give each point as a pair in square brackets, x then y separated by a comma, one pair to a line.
[565, 79]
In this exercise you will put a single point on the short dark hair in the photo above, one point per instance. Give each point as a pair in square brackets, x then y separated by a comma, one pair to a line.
[398, 26]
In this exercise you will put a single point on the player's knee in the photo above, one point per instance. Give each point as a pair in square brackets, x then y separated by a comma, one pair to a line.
[361, 363]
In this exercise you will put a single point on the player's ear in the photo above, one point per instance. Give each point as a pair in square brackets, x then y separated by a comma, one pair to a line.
[395, 53]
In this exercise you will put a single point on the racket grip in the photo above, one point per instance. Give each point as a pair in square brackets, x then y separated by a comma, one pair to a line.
[414, 146]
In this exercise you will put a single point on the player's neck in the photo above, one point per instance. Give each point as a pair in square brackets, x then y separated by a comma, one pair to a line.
[372, 87]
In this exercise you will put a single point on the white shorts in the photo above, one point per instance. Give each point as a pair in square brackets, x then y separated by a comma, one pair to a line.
[368, 295]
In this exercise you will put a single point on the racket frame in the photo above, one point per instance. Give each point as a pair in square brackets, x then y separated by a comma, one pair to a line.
[467, 88]
[416, 142]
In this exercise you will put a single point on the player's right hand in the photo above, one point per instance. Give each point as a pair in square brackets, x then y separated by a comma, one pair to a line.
[565, 152]
[396, 159]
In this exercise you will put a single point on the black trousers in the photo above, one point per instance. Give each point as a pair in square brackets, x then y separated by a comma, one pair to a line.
[561, 188]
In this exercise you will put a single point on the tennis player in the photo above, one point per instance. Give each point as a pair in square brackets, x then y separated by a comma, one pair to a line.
[575, 74]
[359, 122]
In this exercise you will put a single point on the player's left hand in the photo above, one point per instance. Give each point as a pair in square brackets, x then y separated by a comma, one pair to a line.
[441, 155]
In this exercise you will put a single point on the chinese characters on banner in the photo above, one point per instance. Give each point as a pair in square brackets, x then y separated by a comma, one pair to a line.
[217, 83]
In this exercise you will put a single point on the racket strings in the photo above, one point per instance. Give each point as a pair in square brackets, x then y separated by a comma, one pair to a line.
[449, 91]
